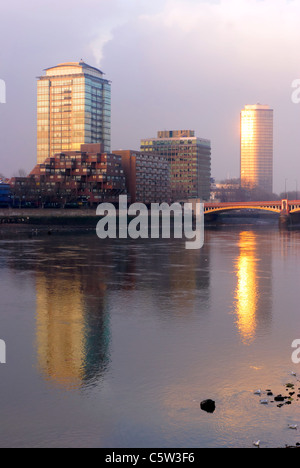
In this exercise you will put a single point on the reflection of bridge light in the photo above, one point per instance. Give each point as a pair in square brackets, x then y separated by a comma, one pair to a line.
[246, 292]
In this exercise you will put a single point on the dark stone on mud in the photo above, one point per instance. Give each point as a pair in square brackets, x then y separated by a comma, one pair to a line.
[279, 398]
[208, 405]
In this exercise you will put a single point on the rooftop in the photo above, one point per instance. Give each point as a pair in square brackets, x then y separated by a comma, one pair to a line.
[73, 68]
[257, 107]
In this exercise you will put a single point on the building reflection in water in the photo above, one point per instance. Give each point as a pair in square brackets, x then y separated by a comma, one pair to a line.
[72, 331]
[74, 289]
[247, 287]
[253, 292]
[72, 316]
[175, 281]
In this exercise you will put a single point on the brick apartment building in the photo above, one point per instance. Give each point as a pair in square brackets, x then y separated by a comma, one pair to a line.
[88, 176]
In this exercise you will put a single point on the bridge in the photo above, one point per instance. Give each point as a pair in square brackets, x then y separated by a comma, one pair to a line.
[282, 207]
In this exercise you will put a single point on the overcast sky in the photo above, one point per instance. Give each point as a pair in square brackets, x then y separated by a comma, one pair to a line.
[174, 64]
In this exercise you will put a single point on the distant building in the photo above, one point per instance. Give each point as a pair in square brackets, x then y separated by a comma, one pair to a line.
[147, 176]
[5, 195]
[257, 148]
[190, 162]
[81, 177]
[228, 191]
[73, 108]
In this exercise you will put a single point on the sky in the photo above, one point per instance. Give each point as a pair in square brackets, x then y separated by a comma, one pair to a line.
[173, 64]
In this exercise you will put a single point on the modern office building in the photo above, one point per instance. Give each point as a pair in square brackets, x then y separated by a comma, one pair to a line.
[73, 108]
[190, 162]
[257, 147]
[147, 176]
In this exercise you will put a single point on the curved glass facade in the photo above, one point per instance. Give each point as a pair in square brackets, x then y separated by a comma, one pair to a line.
[257, 147]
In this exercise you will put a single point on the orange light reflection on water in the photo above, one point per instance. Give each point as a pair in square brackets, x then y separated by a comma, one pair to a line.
[246, 295]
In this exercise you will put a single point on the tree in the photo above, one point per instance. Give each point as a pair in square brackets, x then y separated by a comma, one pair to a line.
[20, 173]
[290, 195]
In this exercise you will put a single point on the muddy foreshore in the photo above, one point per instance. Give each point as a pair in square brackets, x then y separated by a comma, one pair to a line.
[33, 222]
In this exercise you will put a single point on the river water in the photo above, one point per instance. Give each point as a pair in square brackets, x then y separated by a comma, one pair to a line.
[115, 343]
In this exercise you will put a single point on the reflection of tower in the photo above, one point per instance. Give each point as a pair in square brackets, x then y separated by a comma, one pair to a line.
[288, 244]
[189, 278]
[178, 279]
[253, 292]
[72, 337]
[247, 289]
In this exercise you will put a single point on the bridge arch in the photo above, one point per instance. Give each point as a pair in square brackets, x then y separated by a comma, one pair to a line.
[222, 209]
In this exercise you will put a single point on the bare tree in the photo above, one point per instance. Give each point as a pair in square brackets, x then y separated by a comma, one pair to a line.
[20, 173]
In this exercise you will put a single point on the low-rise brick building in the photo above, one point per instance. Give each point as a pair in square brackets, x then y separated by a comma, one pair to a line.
[85, 177]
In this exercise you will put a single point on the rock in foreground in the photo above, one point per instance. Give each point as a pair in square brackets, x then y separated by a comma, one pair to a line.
[208, 405]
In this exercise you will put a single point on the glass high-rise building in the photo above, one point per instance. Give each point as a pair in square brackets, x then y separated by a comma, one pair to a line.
[257, 147]
[73, 108]
[190, 162]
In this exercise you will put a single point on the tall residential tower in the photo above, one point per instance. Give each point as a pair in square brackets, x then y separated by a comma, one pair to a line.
[73, 108]
[257, 148]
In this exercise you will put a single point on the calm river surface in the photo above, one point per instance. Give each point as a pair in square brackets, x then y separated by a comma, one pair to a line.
[115, 343]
